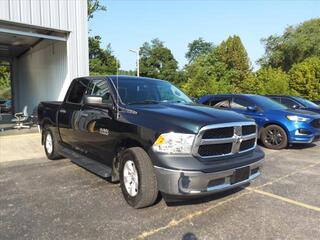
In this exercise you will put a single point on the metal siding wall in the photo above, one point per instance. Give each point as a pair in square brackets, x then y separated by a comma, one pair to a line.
[35, 12]
[4, 9]
[63, 10]
[25, 13]
[14, 10]
[70, 15]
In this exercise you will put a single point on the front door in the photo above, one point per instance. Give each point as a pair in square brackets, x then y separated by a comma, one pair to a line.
[240, 105]
[97, 123]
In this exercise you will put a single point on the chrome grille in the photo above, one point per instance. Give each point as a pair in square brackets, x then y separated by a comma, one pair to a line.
[225, 139]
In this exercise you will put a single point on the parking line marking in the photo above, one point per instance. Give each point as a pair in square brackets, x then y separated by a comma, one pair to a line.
[190, 216]
[284, 199]
[175, 222]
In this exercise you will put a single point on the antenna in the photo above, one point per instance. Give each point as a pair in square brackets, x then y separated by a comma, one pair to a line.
[117, 82]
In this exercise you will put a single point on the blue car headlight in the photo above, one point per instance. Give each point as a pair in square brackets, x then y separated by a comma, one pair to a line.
[297, 118]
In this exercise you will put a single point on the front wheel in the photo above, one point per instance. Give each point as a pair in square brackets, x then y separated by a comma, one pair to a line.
[137, 178]
[274, 137]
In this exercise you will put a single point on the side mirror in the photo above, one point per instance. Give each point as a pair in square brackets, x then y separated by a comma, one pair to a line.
[93, 100]
[295, 106]
[252, 108]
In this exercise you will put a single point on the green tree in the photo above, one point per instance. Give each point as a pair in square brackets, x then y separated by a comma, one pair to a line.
[93, 6]
[206, 75]
[5, 84]
[273, 81]
[197, 48]
[293, 46]
[101, 61]
[234, 55]
[305, 78]
[251, 85]
[157, 61]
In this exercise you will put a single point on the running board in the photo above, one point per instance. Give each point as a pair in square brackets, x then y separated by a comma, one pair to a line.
[87, 163]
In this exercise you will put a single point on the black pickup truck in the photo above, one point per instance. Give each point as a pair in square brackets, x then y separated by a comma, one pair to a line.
[151, 137]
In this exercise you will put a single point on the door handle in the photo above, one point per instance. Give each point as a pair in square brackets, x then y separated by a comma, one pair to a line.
[63, 111]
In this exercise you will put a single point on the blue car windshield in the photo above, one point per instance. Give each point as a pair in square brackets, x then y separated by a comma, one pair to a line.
[267, 104]
[307, 103]
[149, 91]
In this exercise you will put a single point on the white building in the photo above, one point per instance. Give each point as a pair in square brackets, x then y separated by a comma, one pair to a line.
[46, 42]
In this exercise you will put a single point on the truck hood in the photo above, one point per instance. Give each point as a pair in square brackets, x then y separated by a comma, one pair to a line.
[188, 118]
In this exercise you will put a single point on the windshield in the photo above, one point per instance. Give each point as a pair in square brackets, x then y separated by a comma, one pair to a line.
[149, 91]
[267, 104]
[307, 103]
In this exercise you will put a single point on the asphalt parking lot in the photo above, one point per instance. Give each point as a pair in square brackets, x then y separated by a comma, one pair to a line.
[42, 199]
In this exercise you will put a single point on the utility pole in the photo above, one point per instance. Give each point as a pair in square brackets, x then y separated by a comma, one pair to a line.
[137, 60]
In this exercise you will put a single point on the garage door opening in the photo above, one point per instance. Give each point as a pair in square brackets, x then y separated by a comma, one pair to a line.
[36, 59]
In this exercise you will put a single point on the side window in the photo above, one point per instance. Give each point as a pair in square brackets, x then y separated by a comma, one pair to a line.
[100, 88]
[240, 103]
[277, 99]
[221, 102]
[288, 102]
[77, 91]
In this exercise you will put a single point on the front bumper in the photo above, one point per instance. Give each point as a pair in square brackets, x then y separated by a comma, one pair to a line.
[309, 135]
[194, 183]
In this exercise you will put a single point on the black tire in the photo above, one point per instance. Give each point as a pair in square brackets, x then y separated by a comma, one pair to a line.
[147, 190]
[274, 137]
[52, 154]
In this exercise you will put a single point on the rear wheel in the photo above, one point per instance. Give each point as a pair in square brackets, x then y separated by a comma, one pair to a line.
[137, 179]
[51, 145]
[274, 137]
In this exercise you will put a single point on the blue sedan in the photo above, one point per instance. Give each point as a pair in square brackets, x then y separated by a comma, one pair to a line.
[294, 102]
[278, 125]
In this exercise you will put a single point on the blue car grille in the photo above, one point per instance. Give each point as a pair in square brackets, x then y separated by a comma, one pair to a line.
[315, 123]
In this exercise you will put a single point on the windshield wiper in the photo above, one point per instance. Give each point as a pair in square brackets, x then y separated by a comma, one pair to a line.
[144, 102]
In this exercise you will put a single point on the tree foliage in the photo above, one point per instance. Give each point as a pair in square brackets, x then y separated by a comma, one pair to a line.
[101, 61]
[272, 81]
[226, 66]
[305, 78]
[234, 55]
[293, 46]
[157, 61]
[197, 48]
[5, 84]
[93, 6]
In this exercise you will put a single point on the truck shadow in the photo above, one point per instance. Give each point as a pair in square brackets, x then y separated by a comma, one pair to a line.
[172, 202]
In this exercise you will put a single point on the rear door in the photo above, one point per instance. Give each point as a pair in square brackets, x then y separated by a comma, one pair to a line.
[68, 116]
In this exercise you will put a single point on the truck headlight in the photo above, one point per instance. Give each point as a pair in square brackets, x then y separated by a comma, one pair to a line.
[297, 118]
[174, 143]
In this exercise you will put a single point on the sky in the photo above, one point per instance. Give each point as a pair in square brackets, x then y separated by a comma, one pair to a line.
[127, 24]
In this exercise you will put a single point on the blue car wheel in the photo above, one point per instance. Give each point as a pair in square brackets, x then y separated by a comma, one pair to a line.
[274, 137]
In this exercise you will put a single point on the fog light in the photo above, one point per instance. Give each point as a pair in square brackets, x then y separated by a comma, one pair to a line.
[302, 132]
